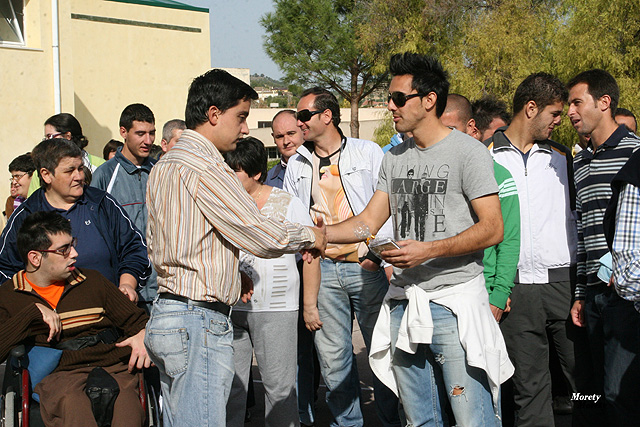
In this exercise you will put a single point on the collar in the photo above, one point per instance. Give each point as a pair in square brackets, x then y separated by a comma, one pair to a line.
[129, 167]
[615, 138]
[21, 284]
[196, 141]
[82, 200]
[308, 148]
[499, 141]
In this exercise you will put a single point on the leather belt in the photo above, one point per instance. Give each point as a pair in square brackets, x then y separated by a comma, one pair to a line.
[213, 305]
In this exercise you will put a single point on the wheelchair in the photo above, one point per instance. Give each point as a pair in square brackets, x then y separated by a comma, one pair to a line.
[19, 409]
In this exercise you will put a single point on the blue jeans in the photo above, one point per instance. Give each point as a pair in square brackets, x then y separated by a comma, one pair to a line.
[438, 371]
[346, 285]
[193, 349]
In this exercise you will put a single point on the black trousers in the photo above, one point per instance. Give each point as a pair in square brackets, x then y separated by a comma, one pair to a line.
[613, 327]
[536, 310]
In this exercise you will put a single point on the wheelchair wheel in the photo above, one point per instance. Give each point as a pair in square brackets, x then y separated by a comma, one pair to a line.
[9, 410]
[154, 416]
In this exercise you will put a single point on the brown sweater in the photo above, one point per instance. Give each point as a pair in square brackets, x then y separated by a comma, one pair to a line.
[89, 304]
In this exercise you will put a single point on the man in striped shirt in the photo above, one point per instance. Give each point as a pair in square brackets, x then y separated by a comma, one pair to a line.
[610, 321]
[200, 216]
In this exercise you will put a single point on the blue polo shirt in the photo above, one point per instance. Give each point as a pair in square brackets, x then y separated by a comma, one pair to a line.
[91, 247]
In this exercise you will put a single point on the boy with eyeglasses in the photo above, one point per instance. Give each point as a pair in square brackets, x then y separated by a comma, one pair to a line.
[335, 177]
[436, 337]
[74, 314]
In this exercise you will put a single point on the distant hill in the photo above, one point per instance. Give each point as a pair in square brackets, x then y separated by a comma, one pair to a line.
[260, 80]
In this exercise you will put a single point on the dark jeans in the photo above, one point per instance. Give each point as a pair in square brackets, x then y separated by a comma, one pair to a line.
[536, 309]
[613, 327]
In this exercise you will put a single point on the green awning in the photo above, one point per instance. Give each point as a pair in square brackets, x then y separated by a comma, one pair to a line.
[171, 4]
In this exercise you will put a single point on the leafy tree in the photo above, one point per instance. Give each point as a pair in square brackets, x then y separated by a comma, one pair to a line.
[385, 130]
[487, 46]
[315, 42]
[280, 100]
[602, 34]
[490, 46]
[296, 90]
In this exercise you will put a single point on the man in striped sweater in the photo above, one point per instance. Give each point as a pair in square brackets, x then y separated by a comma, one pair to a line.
[53, 304]
[611, 322]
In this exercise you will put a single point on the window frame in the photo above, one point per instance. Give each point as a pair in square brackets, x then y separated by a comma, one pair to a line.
[15, 22]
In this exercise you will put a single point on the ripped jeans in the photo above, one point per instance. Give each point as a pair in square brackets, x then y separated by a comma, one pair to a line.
[439, 371]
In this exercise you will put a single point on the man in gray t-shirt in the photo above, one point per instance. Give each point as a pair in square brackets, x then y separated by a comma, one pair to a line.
[452, 171]
[436, 338]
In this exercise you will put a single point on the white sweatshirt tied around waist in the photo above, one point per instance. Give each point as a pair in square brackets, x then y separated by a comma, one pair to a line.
[479, 333]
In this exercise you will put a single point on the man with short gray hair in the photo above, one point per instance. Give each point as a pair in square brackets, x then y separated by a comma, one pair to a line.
[171, 131]
[458, 111]
[288, 137]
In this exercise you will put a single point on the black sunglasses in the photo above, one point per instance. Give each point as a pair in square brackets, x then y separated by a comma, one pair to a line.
[399, 98]
[305, 115]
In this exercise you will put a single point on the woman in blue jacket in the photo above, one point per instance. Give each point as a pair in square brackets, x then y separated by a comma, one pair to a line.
[107, 239]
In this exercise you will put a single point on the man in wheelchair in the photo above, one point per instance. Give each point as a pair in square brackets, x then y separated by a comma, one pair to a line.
[80, 318]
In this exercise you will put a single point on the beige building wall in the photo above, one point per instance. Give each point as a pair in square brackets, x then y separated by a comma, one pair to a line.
[111, 54]
[243, 74]
[26, 83]
[131, 62]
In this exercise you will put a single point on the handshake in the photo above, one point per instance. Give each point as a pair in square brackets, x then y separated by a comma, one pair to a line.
[320, 244]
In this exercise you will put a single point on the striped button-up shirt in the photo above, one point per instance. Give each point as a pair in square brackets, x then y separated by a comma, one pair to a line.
[199, 218]
[593, 174]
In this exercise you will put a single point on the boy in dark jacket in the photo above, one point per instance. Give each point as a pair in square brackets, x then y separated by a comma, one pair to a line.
[53, 304]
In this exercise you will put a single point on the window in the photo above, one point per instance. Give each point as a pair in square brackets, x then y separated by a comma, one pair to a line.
[272, 153]
[263, 125]
[12, 21]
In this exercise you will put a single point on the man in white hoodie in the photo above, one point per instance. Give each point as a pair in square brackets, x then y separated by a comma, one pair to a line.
[541, 296]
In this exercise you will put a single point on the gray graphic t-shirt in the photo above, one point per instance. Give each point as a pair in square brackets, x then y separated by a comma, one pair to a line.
[430, 190]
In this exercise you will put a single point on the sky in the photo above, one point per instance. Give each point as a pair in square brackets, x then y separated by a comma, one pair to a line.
[236, 34]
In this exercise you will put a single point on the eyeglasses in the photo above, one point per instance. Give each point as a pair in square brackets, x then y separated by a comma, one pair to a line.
[400, 99]
[305, 115]
[17, 177]
[52, 135]
[62, 250]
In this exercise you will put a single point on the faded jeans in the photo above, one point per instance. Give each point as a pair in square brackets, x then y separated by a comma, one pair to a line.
[193, 349]
[438, 371]
[346, 286]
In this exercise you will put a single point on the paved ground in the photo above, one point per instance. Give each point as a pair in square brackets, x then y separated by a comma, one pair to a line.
[323, 416]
